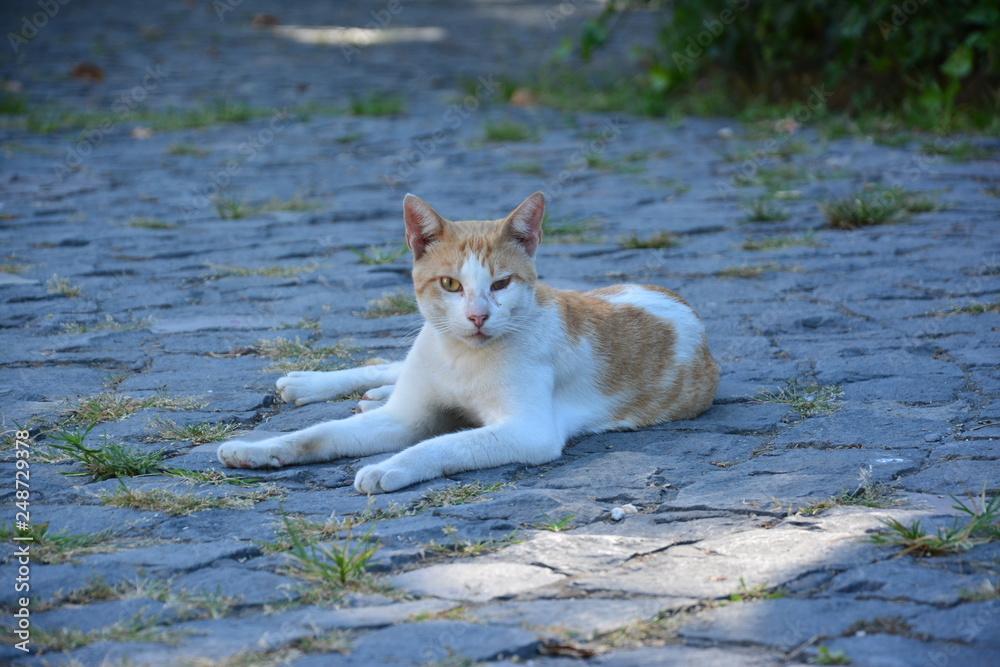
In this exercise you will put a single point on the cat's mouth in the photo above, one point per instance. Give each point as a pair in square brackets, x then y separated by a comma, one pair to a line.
[479, 337]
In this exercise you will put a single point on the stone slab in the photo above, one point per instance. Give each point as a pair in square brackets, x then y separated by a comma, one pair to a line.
[475, 581]
[423, 643]
[787, 623]
[581, 619]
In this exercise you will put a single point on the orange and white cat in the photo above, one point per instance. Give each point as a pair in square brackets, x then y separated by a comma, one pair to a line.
[505, 368]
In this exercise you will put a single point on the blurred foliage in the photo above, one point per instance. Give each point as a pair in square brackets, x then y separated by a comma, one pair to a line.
[922, 60]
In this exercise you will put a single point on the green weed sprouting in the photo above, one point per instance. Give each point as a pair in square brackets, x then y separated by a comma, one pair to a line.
[110, 460]
[982, 527]
[876, 205]
[340, 565]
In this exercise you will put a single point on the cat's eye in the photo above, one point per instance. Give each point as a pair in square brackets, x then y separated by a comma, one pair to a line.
[450, 284]
[500, 284]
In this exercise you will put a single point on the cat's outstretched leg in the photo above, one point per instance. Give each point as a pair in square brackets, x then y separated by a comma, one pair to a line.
[531, 441]
[304, 387]
[359, 435]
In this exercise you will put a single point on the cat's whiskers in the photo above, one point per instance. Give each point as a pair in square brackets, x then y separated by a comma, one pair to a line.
[409, 335]
[441, 324]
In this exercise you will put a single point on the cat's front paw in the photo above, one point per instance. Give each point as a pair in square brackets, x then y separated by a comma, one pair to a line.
[303, 387]
[383, 478]
[263, 454]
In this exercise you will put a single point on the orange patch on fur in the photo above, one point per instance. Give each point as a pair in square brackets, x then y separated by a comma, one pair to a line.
[636, 351]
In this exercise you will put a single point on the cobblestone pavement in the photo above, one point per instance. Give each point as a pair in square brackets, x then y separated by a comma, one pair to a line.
[185, 316]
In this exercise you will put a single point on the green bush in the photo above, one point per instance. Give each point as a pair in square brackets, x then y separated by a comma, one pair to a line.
[920, 58]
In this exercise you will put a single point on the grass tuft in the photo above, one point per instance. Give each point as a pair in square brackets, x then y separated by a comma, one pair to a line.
[982, 526]
[334, 568]
[662, 239]
[974, 308]
[567, 229]
[9, 264]
[755, 593]
[824, 656]
[199, 433]
[112, 407]
[108, 324]
[751, 271]
[868, 493]
[110, 460]
[508, 130]
[530, 167]
[12, 104]
[231, 207]
[765, 210]
[391, 304]
[235, 207]
[186, 149]
[298, 355]
[57, 547]
[310, 532]
[272, 271]
[987, 591]
[565, 523]
[463, 548]
[807, 400]
[136, 629]
[58, 285]
[212, 476]
[456, 495]
[625, 166]
[378, 104]
[97, 589]
[183, 504]
[957, 150]
[150, 223]
[876, 205]
[807, 240]
[375, 255]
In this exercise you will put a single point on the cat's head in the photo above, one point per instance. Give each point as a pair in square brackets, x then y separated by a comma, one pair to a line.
[474, 279]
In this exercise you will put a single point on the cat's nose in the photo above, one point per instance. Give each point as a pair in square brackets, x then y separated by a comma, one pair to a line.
[478, 320]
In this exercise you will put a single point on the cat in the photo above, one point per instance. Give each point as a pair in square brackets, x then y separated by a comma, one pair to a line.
[505, 368]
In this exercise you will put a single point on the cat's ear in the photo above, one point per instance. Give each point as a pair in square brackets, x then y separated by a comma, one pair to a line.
[424, 225]
[524, 225]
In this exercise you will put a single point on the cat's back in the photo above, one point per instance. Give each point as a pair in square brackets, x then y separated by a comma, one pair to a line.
[643, 346]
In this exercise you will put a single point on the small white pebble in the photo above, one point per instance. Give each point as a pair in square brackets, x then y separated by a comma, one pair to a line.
[619, 513]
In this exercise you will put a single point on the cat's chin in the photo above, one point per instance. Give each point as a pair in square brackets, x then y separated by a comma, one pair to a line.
[478, 339]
